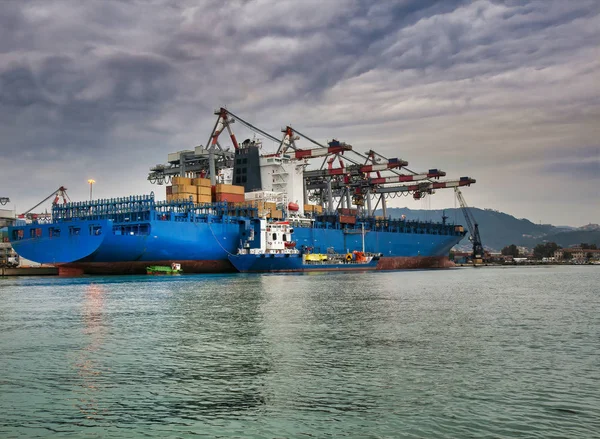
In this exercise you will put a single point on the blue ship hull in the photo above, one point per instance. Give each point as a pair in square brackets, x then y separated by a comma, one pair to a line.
[201, 242]
[278, 263]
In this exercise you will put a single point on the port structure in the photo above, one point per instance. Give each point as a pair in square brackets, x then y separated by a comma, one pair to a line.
[478, 252]
[341, 178]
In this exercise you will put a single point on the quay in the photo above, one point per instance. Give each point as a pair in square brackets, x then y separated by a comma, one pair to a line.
[28, 271]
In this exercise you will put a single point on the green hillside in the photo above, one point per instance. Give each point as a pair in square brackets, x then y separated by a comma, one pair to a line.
[499, 229]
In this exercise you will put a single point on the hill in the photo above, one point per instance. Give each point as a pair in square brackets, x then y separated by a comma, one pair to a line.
[500, 229]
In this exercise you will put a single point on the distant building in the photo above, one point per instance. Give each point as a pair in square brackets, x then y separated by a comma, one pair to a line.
[8, 257]
[576, 254]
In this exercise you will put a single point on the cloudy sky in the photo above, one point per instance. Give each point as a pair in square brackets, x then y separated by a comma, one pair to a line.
[507, 92]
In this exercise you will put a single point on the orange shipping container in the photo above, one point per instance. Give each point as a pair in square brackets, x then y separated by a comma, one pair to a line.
[204, 198]
[347, 219]
[184, 189]
[276, 214]
[181, 180]
[234, 198]
[229, 189]
[201, 182]
[203, 190]
[185, 197]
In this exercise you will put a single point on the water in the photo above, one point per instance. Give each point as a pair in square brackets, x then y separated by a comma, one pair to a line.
[491, 352]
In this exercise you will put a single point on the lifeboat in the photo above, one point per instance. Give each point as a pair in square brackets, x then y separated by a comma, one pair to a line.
[293, 206]
[290, 244]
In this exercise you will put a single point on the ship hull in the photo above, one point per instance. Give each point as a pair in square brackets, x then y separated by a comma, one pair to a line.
[286, 263]
[224, 266]
[202, 247]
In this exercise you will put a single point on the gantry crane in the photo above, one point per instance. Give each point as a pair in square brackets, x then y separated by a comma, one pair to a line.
[478, 253]
[361, 180]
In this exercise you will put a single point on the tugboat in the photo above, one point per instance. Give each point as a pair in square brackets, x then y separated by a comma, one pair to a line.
[277, 252]
[164, 269]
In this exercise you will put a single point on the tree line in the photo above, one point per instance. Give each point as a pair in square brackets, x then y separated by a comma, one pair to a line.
[544, 250]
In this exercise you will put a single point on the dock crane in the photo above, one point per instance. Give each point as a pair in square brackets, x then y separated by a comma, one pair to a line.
[475, 238]
[4, 200]
[59, 193]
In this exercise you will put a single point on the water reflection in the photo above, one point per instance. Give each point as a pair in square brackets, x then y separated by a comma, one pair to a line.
[88, 367]
[218, 344]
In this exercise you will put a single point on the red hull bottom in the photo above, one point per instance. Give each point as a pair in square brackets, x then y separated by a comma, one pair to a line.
[224, 266]
[414, 262]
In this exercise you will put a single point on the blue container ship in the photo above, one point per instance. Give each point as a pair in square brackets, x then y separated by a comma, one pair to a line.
[217, 195]
[125, 235]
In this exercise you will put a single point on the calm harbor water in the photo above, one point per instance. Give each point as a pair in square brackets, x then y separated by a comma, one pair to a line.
[492, 352]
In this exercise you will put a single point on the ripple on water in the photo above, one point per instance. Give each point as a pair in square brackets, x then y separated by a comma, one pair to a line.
[452, 353]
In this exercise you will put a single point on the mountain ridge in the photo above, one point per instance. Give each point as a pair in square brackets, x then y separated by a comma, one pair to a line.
[499, 229]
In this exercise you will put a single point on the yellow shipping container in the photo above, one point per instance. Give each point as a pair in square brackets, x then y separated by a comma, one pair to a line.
[276, 214]
[185, 197]
[204, 198]
[270, 206]
[184, 189]
[318, 209]
[203, 190]
[229, 189]
[203, 182]
[181, 180]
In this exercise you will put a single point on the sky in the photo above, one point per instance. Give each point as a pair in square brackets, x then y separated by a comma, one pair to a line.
[506, 92]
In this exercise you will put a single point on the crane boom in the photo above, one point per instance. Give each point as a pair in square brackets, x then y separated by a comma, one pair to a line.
[60, 192]
[472, 226]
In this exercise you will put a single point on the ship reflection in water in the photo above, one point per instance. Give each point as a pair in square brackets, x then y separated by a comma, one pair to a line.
[88, 365]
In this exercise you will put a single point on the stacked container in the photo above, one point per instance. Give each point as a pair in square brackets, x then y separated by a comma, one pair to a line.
[203, 189]
[311, 208]
[229, 193]
[186, 189]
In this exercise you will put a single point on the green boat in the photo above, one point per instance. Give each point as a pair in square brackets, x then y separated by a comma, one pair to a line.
[164, 269]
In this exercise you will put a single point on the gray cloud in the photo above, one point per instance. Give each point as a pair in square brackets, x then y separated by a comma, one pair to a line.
[504, 91]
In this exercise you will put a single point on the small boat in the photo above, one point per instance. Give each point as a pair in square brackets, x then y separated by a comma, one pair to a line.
[277, 252]
[164, 269]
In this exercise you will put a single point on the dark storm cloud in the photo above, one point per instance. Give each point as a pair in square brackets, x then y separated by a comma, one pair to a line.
[73, 108]
[112, 87]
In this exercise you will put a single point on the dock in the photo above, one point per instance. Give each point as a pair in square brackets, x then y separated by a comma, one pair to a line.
[29, 271]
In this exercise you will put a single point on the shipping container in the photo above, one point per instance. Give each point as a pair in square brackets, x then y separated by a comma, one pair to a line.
[234, 198]
[347, 219]
[181, 180]
[184, 189]
[182, 197]
[203, 190]
[230, 189]
[201, 182]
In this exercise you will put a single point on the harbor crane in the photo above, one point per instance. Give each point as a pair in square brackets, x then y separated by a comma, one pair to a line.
[4, 200]
[362, 180]
[478, 252]
[59, 193]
